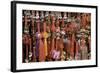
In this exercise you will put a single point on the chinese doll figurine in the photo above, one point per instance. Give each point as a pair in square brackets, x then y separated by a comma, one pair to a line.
[83, 48]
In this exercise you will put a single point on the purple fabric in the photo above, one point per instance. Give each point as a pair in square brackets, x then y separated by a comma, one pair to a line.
[37, 46]
[56, 54]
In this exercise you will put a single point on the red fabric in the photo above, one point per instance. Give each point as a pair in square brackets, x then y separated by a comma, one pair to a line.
[41, 51]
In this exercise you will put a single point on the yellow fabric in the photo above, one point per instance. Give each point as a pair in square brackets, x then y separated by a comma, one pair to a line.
[45, 43]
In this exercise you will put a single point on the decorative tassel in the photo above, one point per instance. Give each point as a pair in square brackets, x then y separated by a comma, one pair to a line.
[45, 39]
[37, 36]
[27, 48]
[72, 46]
[77, 56]
[53, 25]
[41, 50]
